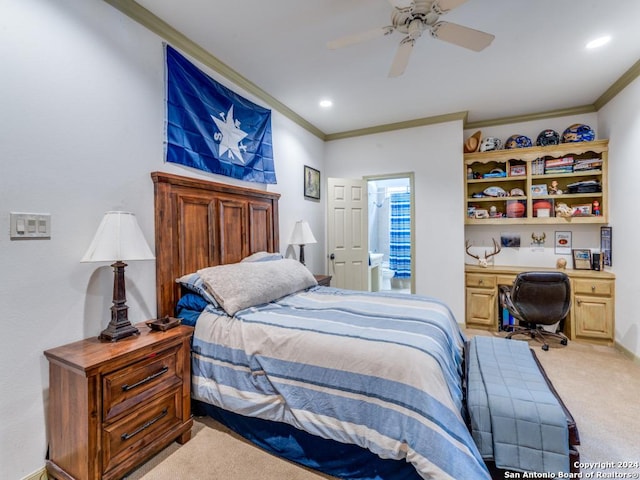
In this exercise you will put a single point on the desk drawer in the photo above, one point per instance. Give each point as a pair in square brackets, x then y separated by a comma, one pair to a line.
[136, 383]
[481, 280]
[593, 287]
[505, 280]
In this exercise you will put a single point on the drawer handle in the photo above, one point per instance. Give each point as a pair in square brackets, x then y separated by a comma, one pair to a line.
[127, 436]
[162, 371]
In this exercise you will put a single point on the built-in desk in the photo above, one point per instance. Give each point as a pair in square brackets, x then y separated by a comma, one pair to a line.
[591, 317]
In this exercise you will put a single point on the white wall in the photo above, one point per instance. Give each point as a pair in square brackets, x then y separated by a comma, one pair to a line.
[81, 129]
[620, 121]
[82, 103]
[434, 154]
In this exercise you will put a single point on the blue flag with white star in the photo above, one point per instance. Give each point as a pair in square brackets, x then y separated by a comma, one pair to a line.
[211, 128]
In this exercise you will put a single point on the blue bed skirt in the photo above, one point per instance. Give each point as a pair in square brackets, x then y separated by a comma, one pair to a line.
[341, 460]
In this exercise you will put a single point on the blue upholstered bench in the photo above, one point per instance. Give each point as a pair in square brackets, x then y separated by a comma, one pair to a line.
[515, 415]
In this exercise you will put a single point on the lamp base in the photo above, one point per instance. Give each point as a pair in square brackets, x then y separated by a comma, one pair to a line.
[119, 327]
[302, 254]
[115, 332]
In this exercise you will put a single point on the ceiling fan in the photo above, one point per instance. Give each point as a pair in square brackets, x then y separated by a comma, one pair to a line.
[412, 18]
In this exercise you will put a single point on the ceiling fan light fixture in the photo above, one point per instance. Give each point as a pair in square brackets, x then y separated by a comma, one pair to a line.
[412, 18]
[415, 29]
[598, 42]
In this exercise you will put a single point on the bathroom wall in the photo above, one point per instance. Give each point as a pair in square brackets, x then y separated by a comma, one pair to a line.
[379, 212]
[378, 219]
[379, 192]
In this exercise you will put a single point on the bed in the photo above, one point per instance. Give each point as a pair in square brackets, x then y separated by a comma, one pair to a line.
[354, 384]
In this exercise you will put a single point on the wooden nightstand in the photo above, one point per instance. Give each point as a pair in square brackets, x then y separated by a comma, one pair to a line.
[324, 280]
[112, 405]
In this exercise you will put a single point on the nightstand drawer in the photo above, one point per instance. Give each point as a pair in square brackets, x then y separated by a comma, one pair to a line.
[138, 382]
[141, 427]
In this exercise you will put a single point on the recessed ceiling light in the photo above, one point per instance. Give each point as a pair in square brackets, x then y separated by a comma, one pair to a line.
[598, 42]
[326, 103]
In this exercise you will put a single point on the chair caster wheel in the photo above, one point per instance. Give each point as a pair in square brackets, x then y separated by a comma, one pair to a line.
[563, 341]
[545, 347]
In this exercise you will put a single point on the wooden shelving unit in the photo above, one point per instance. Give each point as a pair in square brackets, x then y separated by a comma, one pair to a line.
[528, 161]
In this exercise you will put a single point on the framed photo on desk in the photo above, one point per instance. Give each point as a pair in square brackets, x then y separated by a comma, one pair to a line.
[581, 259]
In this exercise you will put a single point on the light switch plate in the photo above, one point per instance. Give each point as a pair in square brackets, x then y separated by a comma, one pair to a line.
[29, 225]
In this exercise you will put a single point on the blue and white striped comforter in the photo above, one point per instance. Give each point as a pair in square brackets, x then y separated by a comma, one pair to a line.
[379, 371]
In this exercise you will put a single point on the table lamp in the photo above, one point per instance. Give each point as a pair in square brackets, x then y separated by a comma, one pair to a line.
[302, 236]
[118, 239]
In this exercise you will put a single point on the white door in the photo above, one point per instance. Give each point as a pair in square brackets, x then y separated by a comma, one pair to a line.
[347, 234]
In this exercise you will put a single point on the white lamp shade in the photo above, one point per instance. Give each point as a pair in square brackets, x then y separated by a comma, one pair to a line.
[118, 238]
[302, 234]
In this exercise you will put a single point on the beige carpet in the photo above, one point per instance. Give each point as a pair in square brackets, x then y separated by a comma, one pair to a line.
[599, 385]
[216, 453]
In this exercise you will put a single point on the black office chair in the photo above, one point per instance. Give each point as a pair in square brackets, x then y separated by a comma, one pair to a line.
[537, 299]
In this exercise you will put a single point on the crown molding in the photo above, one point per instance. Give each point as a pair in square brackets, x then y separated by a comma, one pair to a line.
[418, 122]
[158, 26]
[564, 112]
[177, 39]
[619, 85]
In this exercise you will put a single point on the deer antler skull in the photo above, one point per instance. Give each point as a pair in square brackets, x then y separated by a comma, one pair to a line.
[484, 262]
[538, 239]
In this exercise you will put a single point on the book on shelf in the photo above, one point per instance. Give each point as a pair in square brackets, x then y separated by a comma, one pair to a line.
[537, 166]
[558, 162]
[588, 164]
[565, 169]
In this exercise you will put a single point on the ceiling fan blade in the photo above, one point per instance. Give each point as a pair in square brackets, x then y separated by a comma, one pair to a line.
[462, 36]
[443, 6]
[359, 37]
[401, 60]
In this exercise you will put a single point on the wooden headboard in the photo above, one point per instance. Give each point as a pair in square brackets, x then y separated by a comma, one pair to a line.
[201, 224]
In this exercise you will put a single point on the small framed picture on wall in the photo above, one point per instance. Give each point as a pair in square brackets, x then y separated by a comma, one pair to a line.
[311, 183]
[563, 243]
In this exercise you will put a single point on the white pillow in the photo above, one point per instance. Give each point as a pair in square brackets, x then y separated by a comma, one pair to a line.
[262, 257]
[247, 284]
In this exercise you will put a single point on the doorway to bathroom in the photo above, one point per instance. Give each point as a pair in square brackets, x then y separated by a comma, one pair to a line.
[391, 215]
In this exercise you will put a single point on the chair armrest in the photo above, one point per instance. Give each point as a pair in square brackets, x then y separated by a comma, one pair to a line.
[506, 295]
